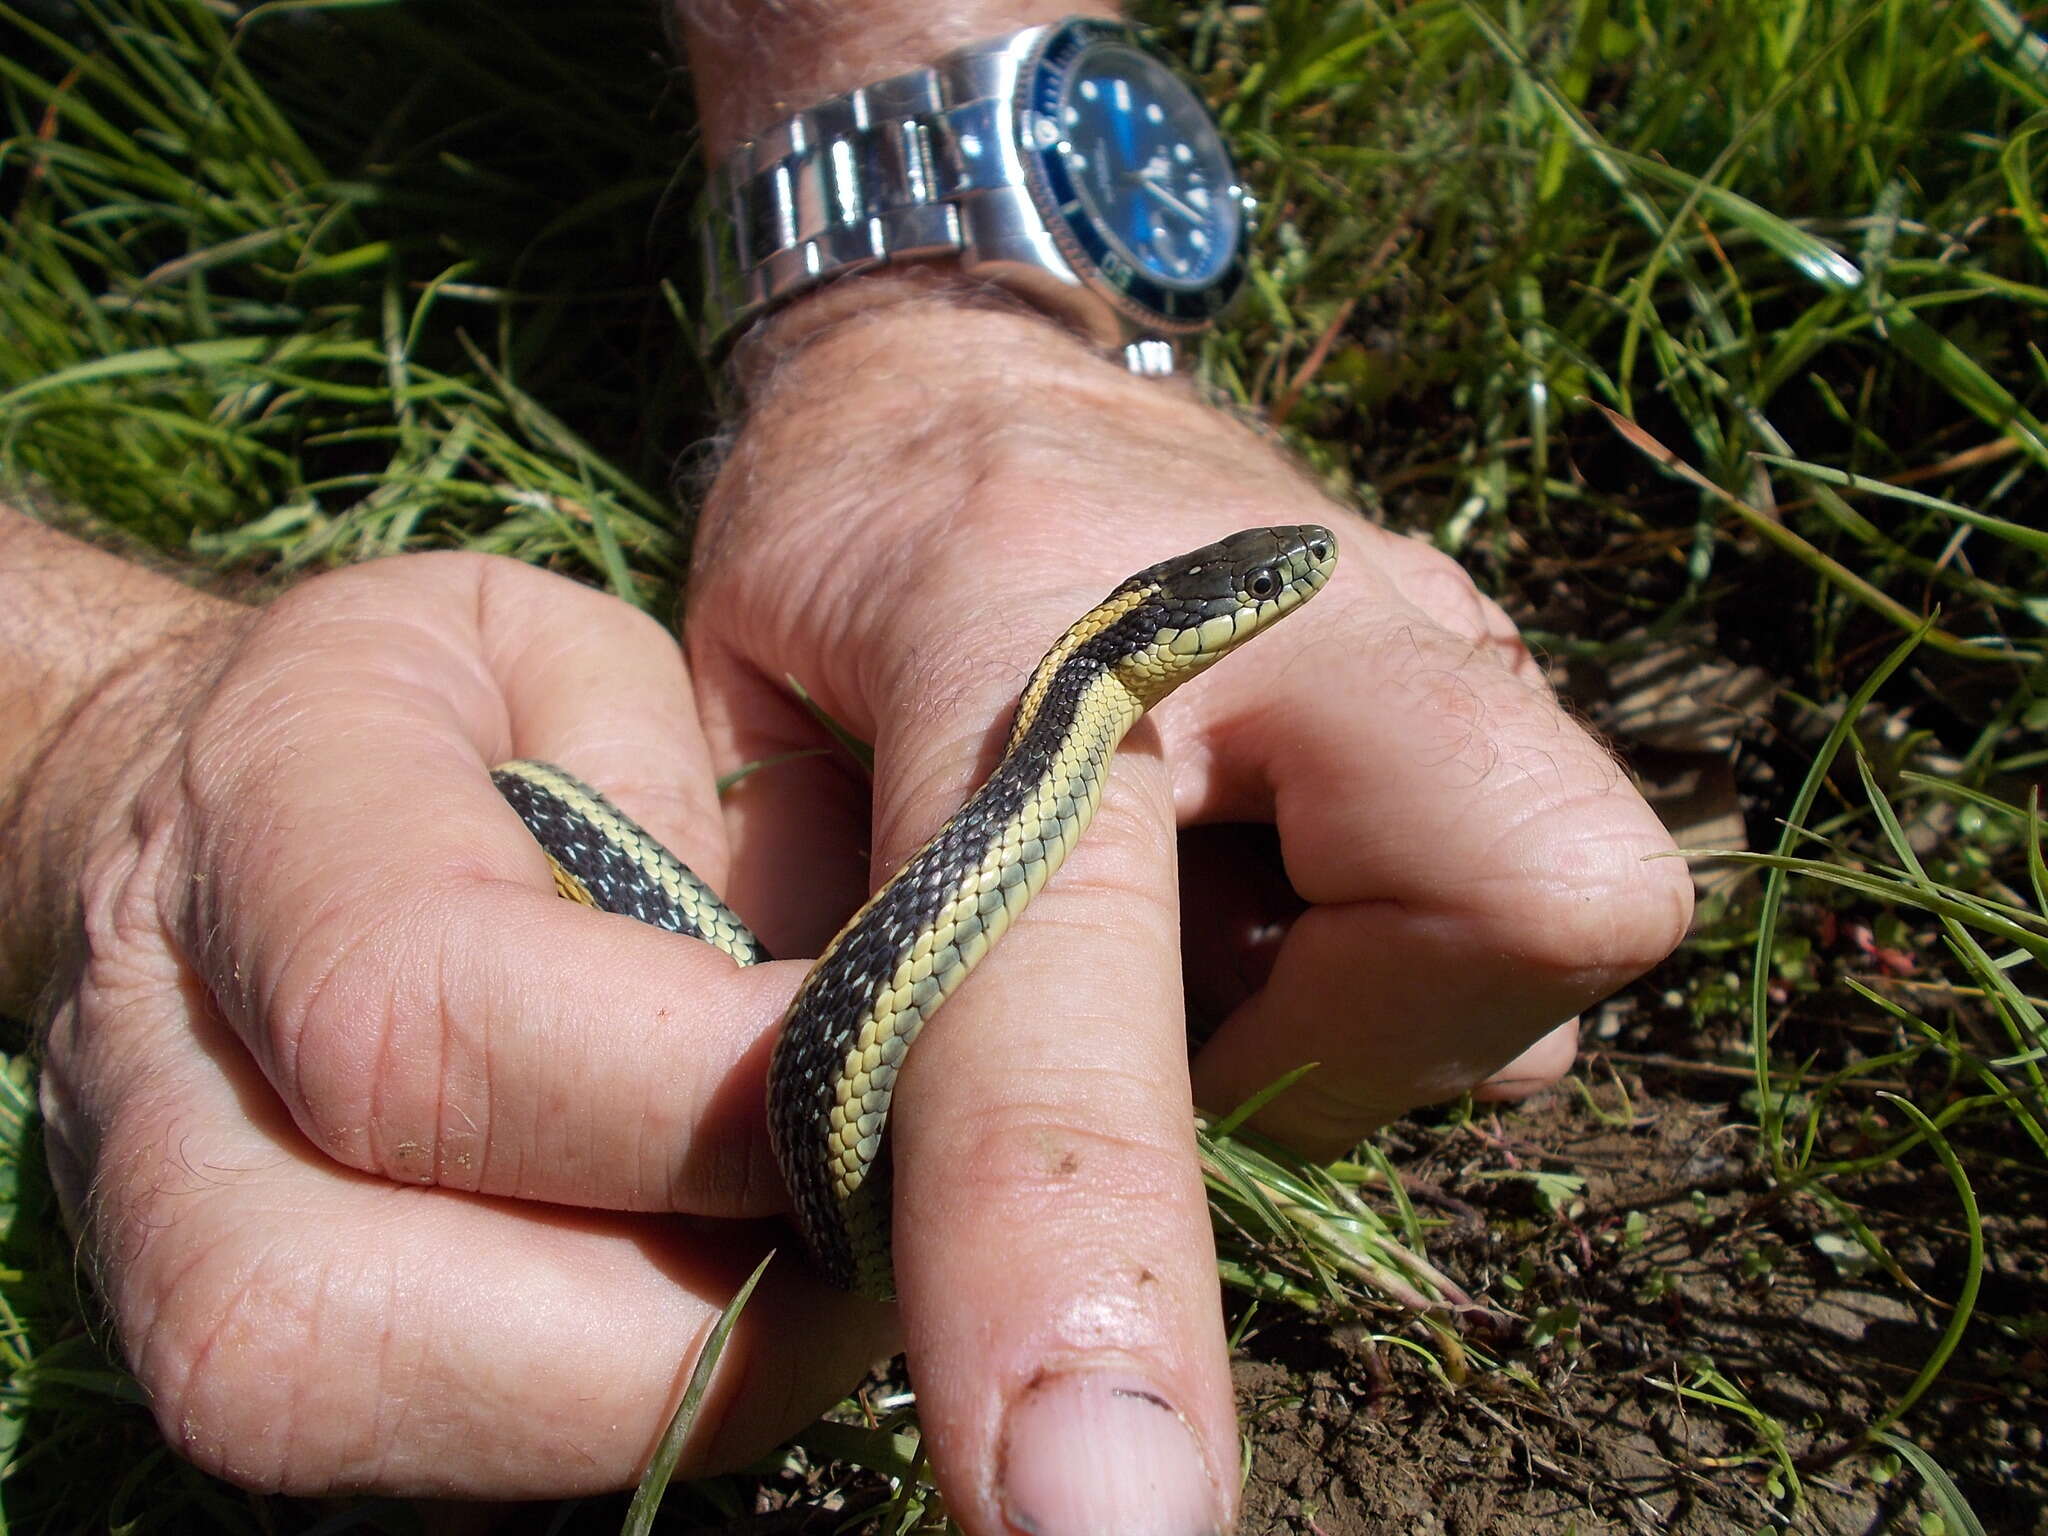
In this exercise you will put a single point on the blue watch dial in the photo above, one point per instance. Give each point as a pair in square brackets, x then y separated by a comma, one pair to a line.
[1135, 183]
[1149, 166]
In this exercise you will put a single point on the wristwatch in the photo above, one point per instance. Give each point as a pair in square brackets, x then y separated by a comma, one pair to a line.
[1069, 163]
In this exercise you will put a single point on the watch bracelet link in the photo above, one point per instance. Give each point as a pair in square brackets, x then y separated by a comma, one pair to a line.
[865, 178]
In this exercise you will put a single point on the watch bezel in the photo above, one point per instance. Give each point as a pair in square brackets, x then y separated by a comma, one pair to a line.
[1088, 250]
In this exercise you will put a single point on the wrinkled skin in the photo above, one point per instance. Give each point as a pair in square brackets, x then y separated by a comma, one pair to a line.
[372, 1141]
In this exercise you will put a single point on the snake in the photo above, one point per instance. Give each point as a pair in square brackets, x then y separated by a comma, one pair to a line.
[846, 1033]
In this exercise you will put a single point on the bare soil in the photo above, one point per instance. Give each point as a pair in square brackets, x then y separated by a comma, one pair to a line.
[1661, 1262]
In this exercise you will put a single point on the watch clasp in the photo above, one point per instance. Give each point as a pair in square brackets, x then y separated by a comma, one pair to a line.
[1150, 357]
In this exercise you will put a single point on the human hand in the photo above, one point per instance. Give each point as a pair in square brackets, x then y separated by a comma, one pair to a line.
[923, 496]
[369, 1139]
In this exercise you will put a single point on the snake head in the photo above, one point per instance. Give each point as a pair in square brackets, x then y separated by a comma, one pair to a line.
[1260, 566]
[1178, 617]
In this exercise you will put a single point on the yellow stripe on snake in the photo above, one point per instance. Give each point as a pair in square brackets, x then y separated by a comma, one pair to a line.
[903, 954]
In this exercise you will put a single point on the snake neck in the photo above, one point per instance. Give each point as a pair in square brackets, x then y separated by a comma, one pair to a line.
[909, 949]
[1129, 640]
[1069, 664]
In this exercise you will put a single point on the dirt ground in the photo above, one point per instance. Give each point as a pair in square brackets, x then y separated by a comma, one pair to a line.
[1658, 1261]
[1643, 1274]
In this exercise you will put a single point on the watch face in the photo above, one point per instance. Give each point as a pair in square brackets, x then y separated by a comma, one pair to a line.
[1139, 186]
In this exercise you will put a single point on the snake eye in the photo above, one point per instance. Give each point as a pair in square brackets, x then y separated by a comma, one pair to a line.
[1263, 584]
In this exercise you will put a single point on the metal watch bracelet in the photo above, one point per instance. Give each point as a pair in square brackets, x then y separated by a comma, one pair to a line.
[873, 176]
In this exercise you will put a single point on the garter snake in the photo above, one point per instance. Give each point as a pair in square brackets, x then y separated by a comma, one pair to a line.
[902, 954]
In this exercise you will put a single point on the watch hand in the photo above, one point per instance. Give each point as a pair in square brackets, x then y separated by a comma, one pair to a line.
[1192, 215]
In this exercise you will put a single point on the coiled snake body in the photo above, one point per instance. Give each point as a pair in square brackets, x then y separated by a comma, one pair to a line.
[902, 954]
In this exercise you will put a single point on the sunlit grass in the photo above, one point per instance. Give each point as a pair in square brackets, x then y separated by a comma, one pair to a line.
[1661, 317]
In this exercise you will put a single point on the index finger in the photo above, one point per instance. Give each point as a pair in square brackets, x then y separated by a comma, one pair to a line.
[1052, 1242]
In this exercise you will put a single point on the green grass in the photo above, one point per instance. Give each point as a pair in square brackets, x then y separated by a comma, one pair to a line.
[1718, 326]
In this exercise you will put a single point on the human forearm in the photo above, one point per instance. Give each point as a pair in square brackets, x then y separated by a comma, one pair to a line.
[89, 648]
[755, 62]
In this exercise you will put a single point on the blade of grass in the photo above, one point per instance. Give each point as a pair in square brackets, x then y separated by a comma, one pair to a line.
[1973, 1273]
[2034, 539]
[654, 1483]
[1921, 627]
[1955, 1510]
[1770, 1112]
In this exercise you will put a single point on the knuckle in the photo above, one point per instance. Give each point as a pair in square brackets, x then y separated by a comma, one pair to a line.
[191, 1365]
[233, 1307]
[129, 867]
[115, 907]
[1437, 592]
[362, 1047]
[125, 954]
[1432, 579]
[206, 1302]
[1602, 904]
[326, 1030]
[507, 592]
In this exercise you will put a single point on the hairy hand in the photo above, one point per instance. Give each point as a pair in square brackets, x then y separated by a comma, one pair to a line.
[924, 496]
[352, 1115]
[371, 1139]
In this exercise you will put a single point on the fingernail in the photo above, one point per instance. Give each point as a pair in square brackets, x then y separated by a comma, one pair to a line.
[1097, 1454]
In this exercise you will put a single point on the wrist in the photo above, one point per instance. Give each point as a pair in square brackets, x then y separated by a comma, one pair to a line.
[755, 64]
[96, 655]
[929, 326]
[885, 414]
[903, 318]
[917, 370]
